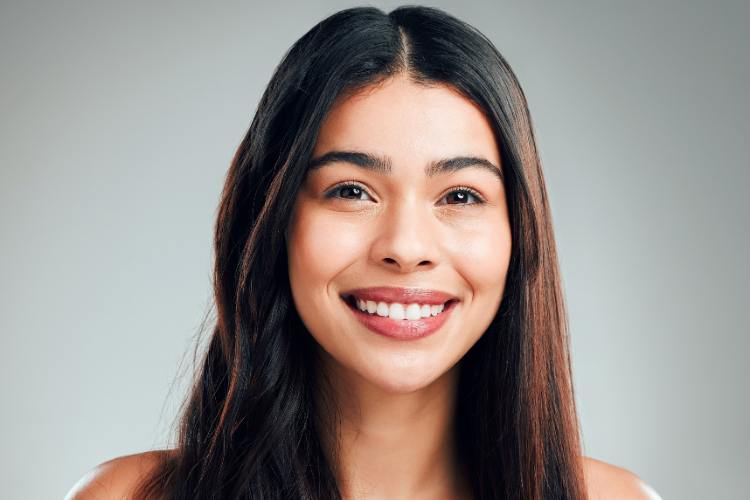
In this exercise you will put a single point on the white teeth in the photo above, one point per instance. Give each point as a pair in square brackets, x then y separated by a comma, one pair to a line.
[413, 311]
[397, 310]
[425, 311]
[382, 309]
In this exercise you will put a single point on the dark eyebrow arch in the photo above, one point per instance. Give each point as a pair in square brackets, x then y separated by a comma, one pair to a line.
[383, 165]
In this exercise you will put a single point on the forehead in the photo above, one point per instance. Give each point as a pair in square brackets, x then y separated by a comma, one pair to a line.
[408, 122]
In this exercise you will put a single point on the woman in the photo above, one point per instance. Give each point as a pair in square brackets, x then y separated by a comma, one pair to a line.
[390, 317]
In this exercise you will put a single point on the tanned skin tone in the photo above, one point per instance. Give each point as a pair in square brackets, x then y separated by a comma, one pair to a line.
[406, 228]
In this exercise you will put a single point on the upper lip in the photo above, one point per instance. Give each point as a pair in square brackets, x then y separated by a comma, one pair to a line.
[401, 295]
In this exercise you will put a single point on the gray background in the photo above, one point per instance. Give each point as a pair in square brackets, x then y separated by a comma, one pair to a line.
[119, 120]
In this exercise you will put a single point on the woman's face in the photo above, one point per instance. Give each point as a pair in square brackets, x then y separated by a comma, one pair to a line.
[357, 228]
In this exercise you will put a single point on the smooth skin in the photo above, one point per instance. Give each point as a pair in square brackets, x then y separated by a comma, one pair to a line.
[354, 227]
[403, 229]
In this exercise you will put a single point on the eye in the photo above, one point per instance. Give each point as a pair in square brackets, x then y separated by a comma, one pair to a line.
[462, 194]
[350, 192]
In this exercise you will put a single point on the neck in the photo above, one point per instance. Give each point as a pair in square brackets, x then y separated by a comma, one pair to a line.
[393, 445]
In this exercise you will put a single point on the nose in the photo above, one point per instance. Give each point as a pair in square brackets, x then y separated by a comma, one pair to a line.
[405, 239]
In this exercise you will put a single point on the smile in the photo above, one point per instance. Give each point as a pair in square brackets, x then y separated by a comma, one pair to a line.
[400, 321]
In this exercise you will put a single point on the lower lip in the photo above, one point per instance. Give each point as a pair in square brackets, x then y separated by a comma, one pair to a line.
[403, 329]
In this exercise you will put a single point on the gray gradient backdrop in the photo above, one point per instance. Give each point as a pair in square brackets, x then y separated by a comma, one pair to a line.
[119, 120]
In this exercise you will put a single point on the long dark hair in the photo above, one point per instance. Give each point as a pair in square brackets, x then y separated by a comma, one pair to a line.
[248, 429]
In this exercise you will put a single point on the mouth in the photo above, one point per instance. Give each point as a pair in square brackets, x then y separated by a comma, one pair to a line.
[401, 321]
[354, 302]
[391, 294]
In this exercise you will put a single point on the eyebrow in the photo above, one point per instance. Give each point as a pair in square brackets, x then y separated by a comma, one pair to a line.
[383, 164]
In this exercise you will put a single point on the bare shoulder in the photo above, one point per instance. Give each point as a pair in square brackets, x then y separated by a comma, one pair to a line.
[116, 478]
[607, 481]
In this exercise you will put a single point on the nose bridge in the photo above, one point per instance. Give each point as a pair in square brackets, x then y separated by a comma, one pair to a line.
[405, 235]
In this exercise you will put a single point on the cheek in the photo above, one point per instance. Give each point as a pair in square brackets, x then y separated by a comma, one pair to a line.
[481, 256]
[320, 246]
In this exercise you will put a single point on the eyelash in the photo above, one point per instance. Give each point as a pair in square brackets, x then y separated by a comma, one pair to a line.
[458, 189]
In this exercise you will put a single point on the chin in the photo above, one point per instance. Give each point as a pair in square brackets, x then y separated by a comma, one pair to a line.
[391, 385]
[402, 376]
